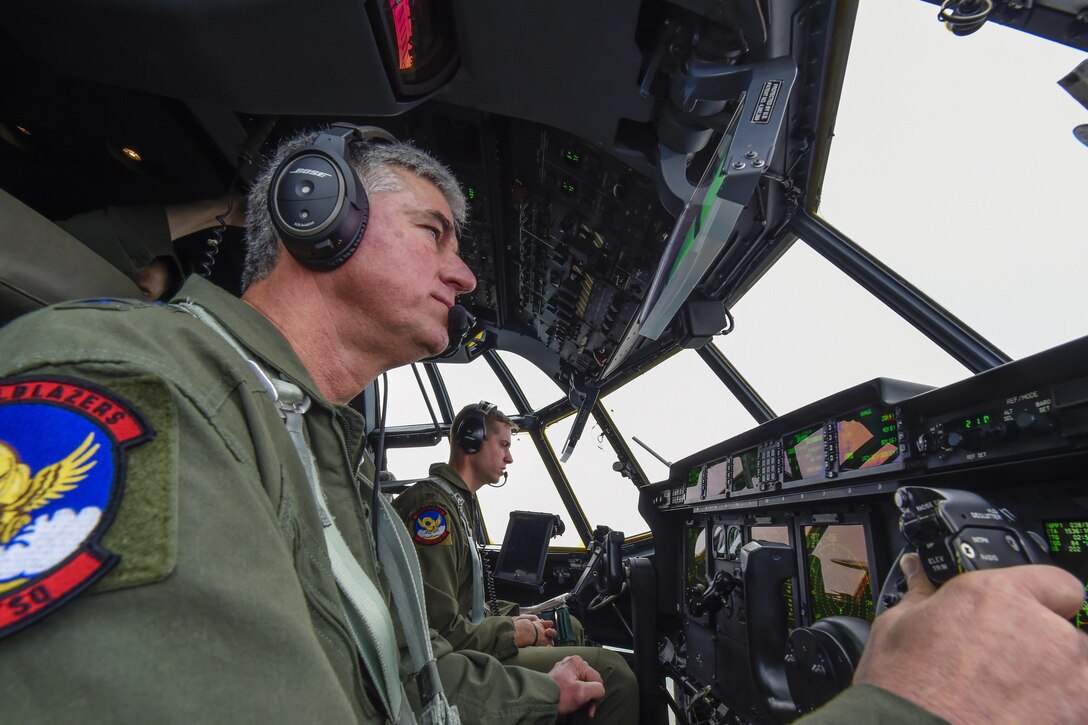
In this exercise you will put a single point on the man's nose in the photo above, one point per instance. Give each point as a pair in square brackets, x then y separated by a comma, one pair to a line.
[459, 276]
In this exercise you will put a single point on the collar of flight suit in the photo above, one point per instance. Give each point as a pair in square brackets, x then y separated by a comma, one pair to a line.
[448, 472]
[255, 331]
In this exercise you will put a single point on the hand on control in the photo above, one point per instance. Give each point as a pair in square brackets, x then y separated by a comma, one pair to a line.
[989, 646]
[532, 631]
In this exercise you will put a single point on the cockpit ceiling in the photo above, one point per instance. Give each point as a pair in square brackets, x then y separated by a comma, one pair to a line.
[554, 115]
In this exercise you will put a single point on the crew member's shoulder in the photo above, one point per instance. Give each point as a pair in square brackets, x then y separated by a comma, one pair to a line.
[422, 492]
[102, 330]
[94, 319]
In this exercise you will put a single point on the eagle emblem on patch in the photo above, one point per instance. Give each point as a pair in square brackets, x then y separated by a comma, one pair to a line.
[430, 525]
[62, 468]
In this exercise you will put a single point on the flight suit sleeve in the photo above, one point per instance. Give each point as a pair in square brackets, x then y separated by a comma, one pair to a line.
[447, 578]
[486, 691]
[870, 705]
[203, 619]
[129, 238]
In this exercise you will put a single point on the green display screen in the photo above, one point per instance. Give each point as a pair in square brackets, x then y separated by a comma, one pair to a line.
[803, 454]
[1068, 542]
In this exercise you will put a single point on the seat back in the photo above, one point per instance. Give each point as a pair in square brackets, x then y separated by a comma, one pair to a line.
[41, 264]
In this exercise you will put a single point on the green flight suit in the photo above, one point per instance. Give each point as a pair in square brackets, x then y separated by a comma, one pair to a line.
[870, 705]
[448, 581]
[128, 237]
[223, 607]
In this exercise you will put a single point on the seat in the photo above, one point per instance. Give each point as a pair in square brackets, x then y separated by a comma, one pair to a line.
[41, 264]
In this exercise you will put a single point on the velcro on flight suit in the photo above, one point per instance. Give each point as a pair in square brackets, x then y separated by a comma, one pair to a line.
[145, 529]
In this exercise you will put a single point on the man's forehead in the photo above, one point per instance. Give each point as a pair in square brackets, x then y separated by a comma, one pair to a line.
[498, 428]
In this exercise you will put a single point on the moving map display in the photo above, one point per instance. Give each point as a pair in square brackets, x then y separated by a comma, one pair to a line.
[803, 454]
[867, 439]
[837, 563]
[1068, 542]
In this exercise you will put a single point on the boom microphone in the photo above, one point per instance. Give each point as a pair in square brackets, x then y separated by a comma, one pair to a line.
[458, 326]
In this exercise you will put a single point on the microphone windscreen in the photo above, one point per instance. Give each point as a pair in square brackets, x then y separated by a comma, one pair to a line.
[458, 324]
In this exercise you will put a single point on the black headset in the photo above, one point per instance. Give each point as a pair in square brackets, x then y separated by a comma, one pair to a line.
[470, 428]
[317, 203]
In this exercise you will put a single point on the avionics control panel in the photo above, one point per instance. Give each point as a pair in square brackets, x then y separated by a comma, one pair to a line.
[853, 434]
[788, 533]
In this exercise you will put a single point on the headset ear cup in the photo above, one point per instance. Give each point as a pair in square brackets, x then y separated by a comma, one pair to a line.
[469, 432]
[317, 203]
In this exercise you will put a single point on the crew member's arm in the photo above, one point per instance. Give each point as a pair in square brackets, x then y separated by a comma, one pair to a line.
[988, 646]
[447, 577]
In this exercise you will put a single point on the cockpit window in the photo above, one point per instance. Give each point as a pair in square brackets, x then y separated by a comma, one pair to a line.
[959, 170]
[538, 388]
[529, 488]
[606, 497]
[676, 408]
[806, 330]
[406, 403]
[475, 382]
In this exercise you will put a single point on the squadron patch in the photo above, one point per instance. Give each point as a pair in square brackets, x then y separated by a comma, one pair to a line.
[61, 476]
[430, 525]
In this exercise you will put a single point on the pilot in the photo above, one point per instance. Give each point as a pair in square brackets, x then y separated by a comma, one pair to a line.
[190, 557]
[442, 513]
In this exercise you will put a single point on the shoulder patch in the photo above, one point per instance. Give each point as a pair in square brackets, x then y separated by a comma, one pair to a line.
[430, 525]
[62, 467]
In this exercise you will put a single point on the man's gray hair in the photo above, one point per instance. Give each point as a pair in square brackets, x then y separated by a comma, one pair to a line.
[375, 163]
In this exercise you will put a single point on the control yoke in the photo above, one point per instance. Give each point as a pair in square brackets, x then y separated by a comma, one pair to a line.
[604, 570]
[957, 531]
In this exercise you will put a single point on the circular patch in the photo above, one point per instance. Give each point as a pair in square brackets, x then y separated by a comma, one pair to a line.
[61, 476]
[430, 525]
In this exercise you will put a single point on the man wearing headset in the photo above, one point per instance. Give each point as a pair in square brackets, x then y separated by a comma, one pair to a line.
[442, 514]
[186, 526]
[443, 517]
[186, 500]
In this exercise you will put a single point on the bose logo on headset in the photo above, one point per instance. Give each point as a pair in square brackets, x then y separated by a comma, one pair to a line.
[322, 222]
[311, 172]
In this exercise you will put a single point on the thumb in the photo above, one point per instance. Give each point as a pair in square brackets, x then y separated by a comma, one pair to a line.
[918, 584]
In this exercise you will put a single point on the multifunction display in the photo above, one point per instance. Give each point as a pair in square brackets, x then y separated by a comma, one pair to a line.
[1068, 542]
[867, 439]
[804, 454]
[838, 571]
[717, 479]
[745, 467]
[695, 558]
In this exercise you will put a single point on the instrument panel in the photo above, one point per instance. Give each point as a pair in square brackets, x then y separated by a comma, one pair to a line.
[787, 535]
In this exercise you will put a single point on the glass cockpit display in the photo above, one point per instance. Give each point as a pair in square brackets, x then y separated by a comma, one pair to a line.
[695, 560]
[867, 439]
[838, 571]
[695, 485]
[1068, 541]
[717, 479]
[745, 468]
[803, 454]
